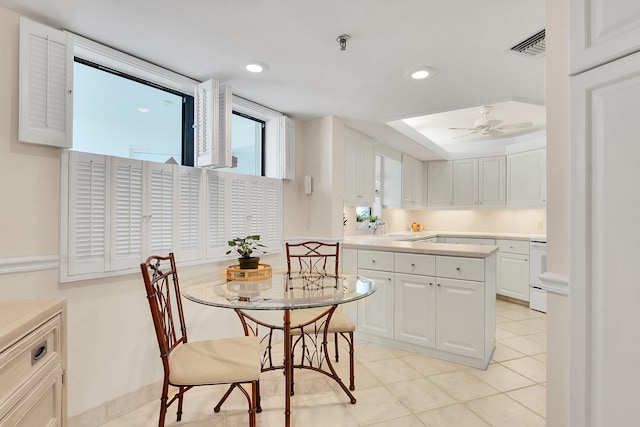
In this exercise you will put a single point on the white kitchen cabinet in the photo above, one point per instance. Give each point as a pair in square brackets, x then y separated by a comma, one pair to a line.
[391, 182]
[602, 31]
[415, 309]
[492, 186]
[440, 183]
[527, 178]
[460, 316]
[412, 182]
[33, 363]
[375, 312]
[513, 269]
[359, 169]
[456, 240]
[465, 182]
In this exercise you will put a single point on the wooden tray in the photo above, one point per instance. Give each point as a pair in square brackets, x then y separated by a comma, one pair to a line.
[234, 272]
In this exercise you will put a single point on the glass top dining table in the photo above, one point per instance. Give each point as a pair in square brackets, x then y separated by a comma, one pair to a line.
[282, 292]
[286, 293]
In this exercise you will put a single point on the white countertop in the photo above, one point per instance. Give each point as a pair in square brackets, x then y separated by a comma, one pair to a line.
[405, 242]
[17, 317]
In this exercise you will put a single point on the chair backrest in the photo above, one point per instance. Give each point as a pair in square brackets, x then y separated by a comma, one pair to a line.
[163, 293]
[313, 258]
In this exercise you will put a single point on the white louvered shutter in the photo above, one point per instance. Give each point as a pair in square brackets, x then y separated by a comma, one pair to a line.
[287, 146]
[160, 208]
[126, 213]
[189, 224]
[43, 80]
[87, 213]
[272, 234]
[239, 214]
[256, 206]
[225, 110]
[217, 213]
[206, 106]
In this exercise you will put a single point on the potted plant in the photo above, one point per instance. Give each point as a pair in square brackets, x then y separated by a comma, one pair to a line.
[245, 246]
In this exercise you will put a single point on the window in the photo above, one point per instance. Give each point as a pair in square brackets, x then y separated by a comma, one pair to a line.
[120, 115]
[248, 144]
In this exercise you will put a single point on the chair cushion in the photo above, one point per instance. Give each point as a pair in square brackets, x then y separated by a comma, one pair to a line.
[339, 322]
[221, 361]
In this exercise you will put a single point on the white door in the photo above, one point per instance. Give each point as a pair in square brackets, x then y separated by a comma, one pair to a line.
[604, 267]
[460, 317]
[513, 275]
[375, 312]
[415, 309]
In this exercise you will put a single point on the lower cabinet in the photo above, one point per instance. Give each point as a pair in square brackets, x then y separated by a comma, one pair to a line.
[415, 309]
[513, 269]
[441, 305]
[460, 314]
[375, 315]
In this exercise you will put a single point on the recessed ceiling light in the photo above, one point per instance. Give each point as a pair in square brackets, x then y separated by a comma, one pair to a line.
[143, 109]
[255, 67]
[420, 73]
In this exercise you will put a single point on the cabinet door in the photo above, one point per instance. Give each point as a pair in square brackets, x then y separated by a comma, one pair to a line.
[465, 182]
[440, 183]
[492, 185]
[527, 178]
[415, 309]
[375, 312]
[513, 275]
[460, 317]
[359, 169]
[602, 31]
[412, 182]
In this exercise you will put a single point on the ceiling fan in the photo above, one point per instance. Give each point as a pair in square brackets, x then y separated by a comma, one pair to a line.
[487, 126]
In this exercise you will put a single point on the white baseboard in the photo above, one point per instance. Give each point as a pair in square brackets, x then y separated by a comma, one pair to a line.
[114, 408]
[555, 283]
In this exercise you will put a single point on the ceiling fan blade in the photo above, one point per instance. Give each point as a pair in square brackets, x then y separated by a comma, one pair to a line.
[466, 134]
[462, 128]
[516, 126]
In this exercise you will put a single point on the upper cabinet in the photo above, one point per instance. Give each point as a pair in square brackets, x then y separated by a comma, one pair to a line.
[527, 178]
[440, 183]
[359, 169]
[492, 186]
[390, 174]
[465, 182]
[602, 31]
[412, 183]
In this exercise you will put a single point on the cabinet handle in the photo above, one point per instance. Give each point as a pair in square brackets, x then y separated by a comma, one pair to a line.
[373, 261]
[438, 285]
[430, 284]
[458, 268]
[38, 352]
[413, 265]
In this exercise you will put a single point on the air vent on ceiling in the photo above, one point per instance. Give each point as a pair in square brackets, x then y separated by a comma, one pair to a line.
[532, 46]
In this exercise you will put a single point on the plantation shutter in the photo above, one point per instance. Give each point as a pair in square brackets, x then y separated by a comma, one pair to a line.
[160, 207]
[87, 213]
[126, 213]
[189, 234]
[239, 215]
[256, 205]
[287, 147]
[217, 217]
[272, 213]
[225, 109]
[43, 85]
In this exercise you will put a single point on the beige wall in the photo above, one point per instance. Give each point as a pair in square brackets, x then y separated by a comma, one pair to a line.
[558, 161]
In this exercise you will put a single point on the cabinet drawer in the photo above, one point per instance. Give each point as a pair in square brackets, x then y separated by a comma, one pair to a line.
[460, 268]
[513, 246]
[415, 264]
[28, 356]
[481, 241]
[375, 260]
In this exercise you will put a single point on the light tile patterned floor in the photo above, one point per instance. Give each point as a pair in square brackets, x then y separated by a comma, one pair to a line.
[396, 388]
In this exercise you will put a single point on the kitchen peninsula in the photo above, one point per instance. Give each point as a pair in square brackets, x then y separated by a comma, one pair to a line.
[433, 298]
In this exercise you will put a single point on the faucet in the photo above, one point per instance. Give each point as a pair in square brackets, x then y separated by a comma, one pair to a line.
[376, 225]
